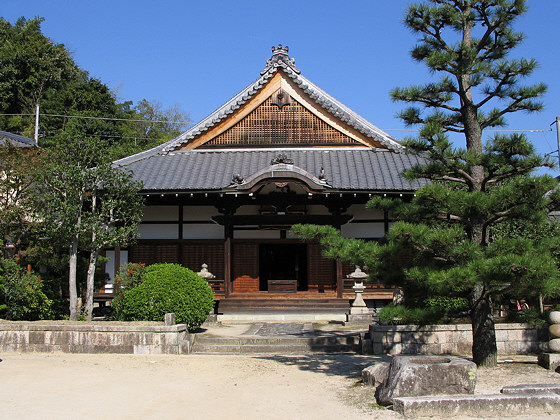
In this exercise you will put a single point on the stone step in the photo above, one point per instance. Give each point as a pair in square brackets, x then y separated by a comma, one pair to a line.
[282, 316]
[490, 405]
[241, 345]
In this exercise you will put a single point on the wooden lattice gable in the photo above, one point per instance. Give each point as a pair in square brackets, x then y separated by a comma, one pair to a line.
[282, 109]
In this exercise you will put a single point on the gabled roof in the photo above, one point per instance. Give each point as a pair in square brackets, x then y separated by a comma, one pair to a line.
[362, 169]
[280, 62]
[366, 160]
[15, 140]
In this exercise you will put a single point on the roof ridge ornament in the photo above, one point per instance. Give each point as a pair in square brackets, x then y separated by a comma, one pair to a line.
[280, 56]
[281, 158]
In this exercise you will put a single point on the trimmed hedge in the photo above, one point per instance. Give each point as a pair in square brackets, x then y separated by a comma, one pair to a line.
[168, 288]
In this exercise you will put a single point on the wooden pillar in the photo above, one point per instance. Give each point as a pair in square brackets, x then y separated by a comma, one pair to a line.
[227, 267]
[228, 232]
[117, 261]
[339, 279]
[180, 236]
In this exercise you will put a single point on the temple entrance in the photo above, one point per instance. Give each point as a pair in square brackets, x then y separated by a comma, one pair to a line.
[283, 267]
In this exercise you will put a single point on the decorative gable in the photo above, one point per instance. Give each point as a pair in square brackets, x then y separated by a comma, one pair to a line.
[280, 121]
[283, 109]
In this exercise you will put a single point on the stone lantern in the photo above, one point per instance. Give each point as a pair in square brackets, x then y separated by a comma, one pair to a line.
[205, 274]
[359, 310]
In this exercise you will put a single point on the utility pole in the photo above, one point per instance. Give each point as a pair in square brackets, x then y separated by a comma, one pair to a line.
[558, 136]
[37, 125]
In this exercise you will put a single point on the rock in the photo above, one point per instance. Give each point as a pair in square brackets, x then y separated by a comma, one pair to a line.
[375, 374]
[554, 345]
[412, 376]
[554, 331]
[554, 317]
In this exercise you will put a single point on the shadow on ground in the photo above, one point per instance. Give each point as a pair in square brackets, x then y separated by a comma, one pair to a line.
[345, 365]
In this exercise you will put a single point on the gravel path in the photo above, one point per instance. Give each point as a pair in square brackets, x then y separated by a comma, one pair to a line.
[87, 386]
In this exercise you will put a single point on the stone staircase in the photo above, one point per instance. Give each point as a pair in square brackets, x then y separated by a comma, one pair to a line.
[266, 338]
[283, 309]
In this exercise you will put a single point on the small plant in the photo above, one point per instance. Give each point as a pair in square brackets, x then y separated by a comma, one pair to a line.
[129, 276]
[21, 294]
[167, 288]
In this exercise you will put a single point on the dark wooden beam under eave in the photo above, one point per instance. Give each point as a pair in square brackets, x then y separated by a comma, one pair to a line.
[283, 219]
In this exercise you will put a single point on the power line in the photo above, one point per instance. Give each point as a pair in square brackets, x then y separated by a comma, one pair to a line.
[486, 131]
[104, 118]
[190, 123]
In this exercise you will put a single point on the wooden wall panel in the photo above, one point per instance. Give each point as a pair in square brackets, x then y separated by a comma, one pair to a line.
[245, 267]
[142, 253]
[321, 271]
[212, 254]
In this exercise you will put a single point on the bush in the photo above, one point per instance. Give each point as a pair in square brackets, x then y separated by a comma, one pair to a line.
[167, 288]
[21, 294]
[448, 305]
[402, 315]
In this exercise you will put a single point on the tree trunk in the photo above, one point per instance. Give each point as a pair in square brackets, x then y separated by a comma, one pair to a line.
[72, 287]
[484, 350]
[90, 283]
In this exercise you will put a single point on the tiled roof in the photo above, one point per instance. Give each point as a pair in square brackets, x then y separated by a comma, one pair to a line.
[358, 169]
[15, 140]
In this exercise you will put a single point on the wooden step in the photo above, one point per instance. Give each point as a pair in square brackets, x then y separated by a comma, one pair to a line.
[287, 305]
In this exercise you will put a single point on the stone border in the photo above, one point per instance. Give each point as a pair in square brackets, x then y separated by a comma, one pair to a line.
[454, 339]
[94, 338]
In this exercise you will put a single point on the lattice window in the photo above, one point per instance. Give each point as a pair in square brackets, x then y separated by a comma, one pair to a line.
[270, 125]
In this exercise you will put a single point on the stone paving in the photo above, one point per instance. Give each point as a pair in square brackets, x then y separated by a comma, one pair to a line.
[281, 329]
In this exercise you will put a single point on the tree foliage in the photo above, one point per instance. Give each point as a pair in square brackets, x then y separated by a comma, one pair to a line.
[442, 246]
[85, 203]
[35, 70]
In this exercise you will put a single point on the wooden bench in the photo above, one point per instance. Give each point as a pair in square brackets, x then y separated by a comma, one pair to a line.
[282, 286]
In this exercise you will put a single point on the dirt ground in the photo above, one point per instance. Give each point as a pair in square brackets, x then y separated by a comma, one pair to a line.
[87, 386]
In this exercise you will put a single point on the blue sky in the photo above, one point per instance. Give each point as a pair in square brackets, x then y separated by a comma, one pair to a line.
[198, 54]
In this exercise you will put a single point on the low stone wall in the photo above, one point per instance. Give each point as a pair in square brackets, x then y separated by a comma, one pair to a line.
[454, 339]
[98, 337]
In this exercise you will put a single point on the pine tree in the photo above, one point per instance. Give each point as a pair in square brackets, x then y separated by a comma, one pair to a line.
[445, 230]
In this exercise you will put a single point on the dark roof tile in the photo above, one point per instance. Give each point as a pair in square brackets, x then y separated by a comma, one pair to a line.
[345, 169]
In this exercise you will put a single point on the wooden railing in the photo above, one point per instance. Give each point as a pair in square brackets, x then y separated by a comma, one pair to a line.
[218, 286]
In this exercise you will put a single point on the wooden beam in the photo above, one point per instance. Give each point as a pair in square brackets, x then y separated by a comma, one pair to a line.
[117, 261]
[282, 219]
[339, 279]
[227, 267]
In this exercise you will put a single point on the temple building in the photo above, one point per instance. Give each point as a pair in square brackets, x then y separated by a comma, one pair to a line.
[226, 192]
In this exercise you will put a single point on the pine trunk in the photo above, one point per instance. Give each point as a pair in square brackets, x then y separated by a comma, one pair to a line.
[484, 350]
[72, 287]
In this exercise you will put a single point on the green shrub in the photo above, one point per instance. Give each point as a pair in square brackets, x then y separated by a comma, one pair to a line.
[402, 315]
[21, 294]
[167, 288]
[449, 305]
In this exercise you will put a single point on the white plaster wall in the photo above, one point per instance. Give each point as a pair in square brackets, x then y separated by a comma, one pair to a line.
[203, 231]
[158, 231]
[363, 230]
[199, 213]
[161, 213]
[256, 234]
